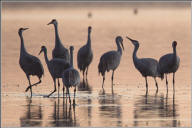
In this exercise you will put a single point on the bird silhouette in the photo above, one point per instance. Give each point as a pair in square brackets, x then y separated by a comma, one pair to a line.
[146, 66]
[71, 76]
[30, 64]
[56, 67]
[59, 51]
[111, 60]
[169, 63]
[85, 55]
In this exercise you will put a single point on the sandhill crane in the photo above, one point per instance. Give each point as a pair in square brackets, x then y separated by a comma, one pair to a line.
[146, 66]
[71, 76]
[59, 51]
[31, 65]
[111, 60]
[85, 55]
[56, 67]
[169, 63]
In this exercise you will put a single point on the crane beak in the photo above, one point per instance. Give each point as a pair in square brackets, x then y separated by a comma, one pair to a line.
[40, 51]
[129, 38]
[25, 28]
[122, 45]
[50, 23]
[132, 41]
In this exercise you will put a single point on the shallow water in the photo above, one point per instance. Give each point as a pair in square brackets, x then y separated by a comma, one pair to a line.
[127, 104]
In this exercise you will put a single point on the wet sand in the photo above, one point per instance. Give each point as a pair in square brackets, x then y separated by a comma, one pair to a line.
[154, 28]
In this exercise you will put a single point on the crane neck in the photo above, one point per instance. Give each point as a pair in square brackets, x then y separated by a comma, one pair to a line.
[89, 39]
[22, 50]
[57, 39]
[135, 53]
[46, 58]
[174, 51]
[119, 49]
[71, 58]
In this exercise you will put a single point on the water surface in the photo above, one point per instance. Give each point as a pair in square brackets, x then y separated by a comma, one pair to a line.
[128, 104]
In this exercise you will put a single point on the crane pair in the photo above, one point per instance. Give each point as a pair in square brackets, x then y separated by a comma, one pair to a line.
[168, 63]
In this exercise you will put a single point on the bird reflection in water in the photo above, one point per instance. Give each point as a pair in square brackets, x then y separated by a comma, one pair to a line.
[62, 114]
[160, 108]
[84, 86]
[33, 114]
[86, 89]
[110, 107]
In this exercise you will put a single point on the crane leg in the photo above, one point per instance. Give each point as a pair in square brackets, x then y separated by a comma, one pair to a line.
[156, 84]
[166, 80]
[74, 96]
[74, 92]
[58, 86]
[63, 91]
[29, 84]
[87, 71]
[174, 82]
[69, 95]
[146, 84]
[54, 89]
[32, 85]
[83, 73]
[112, 77]
[103, 81]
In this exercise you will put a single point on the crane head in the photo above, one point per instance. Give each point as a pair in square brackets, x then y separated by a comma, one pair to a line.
[22, 29]
[43, 48]
[120, 40]
[134, 42]
[71, 48]
[54, 21]
[174, 44]
[89, 29]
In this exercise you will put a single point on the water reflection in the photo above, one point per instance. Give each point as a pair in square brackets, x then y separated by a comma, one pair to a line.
[153, 110]
[110, 109]
[33, 114]
[86, 111]
[62, 114]
[84, 86]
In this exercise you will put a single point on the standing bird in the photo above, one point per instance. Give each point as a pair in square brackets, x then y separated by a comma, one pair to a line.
[146, 66]
[111, 60]
[169, 63]
[31, 65]
[85, 55]
[56, 67]
[71, 76]
[59, 51]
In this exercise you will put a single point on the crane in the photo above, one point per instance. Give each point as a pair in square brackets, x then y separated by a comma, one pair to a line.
[146, 66]
[56, 67]
[30, 64]
[59, 51]
[71, 76]
[85, 55]
[169, 63]
[111, 60]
